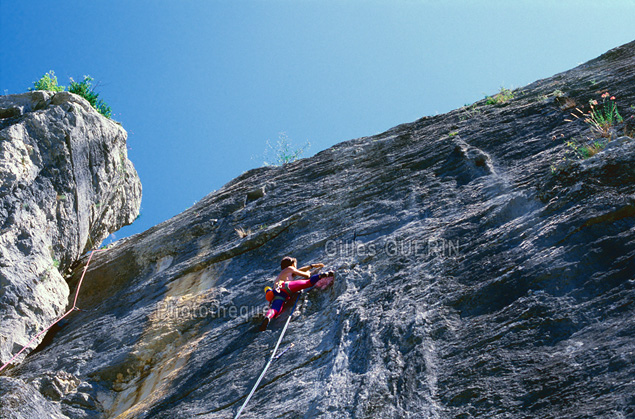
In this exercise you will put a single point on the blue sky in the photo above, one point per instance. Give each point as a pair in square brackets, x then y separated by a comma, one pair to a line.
[201, 85]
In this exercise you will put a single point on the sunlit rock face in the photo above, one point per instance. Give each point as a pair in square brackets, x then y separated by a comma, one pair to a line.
[482, 271]
[65, 184]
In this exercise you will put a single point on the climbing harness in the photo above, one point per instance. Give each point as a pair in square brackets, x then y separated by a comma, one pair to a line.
[273, 355]
[79, 285]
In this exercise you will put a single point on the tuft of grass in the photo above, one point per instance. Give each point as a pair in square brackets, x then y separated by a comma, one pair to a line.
[591, 150]
[503, 96]
[557, 93]
[242, 233]
[469, 111]
[283, 152]
[47, 82]
[585, 150]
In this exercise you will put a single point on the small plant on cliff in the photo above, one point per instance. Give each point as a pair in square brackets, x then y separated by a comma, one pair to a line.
[602, 117]
[584, 150]
[283, 152]
[468, 111]
[47, 82]
[86, 90]
[242, 233]
[503, 96]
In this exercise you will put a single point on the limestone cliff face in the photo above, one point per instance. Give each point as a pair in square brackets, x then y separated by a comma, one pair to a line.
[65, 184]
[478, 275]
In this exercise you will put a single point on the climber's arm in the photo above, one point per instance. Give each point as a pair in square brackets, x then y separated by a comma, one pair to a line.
[311, 267]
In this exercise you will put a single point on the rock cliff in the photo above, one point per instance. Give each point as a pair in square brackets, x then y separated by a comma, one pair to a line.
[65, 185]
[479, 275]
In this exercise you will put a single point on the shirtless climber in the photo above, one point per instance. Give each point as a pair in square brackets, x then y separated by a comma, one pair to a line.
[285, 286]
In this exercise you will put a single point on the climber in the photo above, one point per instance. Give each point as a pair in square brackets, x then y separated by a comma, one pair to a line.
[284, 285]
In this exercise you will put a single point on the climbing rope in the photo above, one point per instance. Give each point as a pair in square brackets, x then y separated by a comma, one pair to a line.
[60, 319]
[273, 355]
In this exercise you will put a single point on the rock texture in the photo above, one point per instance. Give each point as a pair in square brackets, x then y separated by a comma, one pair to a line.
[478, 276]
[65, 184]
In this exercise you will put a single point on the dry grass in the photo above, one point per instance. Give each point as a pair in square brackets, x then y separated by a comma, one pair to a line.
[566, 103]
[242, 233]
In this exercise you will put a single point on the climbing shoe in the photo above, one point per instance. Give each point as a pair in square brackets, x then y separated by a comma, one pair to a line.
[264, 324]
[327, 274]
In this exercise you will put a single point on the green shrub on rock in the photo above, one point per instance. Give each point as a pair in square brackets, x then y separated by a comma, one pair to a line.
[47, 82]
[84, 89]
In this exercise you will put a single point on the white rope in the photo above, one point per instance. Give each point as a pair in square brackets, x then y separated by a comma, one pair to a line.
[253, 390]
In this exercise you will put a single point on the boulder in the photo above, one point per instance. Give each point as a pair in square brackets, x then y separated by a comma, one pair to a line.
[65, 184]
